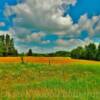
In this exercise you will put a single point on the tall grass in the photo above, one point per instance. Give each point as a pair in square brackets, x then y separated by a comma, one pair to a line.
[72, 81]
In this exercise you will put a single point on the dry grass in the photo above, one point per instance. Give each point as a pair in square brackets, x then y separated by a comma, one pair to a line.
[10, 59]
[48, 60]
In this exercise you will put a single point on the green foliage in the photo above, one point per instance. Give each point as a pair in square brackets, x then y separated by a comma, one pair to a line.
[89, 52]
[30, 52]
[7, 46]
[55, 54]
[78, 53]
[2, 48]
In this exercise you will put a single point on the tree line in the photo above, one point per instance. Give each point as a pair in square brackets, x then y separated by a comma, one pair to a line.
[89, 52]
[55, 54]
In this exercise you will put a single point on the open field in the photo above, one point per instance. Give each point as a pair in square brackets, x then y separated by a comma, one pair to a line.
[47, 60]
[68, 81]
[36, 59]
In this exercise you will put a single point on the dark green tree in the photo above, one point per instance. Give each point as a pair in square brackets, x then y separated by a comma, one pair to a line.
[78, 53]
[7, 46]
[30, 52]
[2, 47]
[62, 53]
[90, 51]
[12, 51]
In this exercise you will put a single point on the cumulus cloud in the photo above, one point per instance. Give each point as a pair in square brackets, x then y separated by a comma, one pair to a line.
[2, 24]
[36, 37]
[97, 28]
[71, 43]
[88, 24]
[42, 14]
[91, 25]
[45, 41]
[61, 45]
[10, 32]
[47, 16]
[31, 37]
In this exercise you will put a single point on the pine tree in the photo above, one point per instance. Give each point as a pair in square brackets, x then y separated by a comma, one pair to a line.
[7, 46]
[30, 52]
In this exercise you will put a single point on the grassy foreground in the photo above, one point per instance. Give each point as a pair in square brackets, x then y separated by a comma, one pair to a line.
[72, 81]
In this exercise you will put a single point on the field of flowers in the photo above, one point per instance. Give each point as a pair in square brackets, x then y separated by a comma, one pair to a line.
[47, 60]
[55, 60]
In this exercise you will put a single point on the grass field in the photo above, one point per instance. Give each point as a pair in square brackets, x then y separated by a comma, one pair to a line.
[30, 81]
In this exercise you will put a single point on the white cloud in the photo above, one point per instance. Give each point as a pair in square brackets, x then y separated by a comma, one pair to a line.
[35, 37]
[2, 24]
[47, 16]
[31, 37]
[35, 49]
[69, 43]
[91, 25]
[88, 24]
[42, 14]
[45, 41]
[61, 45]
[10, 32]
[97, 28]
[72, 43]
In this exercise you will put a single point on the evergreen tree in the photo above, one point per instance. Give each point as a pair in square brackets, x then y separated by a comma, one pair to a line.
[30, 52]
[2, 48]
[7, 46]
[12, 50]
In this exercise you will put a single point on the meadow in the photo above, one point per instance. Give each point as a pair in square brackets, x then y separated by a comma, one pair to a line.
[78, 80]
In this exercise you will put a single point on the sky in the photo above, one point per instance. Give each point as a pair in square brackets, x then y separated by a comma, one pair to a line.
[50, 25]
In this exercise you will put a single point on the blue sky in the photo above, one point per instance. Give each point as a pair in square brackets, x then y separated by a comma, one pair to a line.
[85, 6]
[74, 23]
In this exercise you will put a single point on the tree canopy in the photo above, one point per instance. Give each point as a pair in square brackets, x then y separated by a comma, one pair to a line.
[7, 46]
